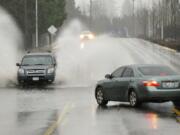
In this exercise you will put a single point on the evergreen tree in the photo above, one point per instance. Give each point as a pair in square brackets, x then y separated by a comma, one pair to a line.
[51, 12]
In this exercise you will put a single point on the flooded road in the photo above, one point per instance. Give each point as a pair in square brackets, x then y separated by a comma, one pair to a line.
[68, 111]
[70, 107]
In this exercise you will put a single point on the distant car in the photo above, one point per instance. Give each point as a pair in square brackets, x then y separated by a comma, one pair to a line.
[36, 67]
[87, 35]
[139, 83]
[117, 34]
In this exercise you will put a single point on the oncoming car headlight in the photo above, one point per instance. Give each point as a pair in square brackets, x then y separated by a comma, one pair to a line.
[50, 70]
[81, 36]
[21, 71]
[91, 36]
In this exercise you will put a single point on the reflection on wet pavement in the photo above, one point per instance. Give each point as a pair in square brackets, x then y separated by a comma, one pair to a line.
[34, 112]
[153, 120]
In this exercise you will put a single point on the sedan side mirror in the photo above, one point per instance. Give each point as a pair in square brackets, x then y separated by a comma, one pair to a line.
[108, 76]
[18, 65]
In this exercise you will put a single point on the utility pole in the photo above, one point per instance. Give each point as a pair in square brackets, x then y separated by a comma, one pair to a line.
[149, 19]
[90, 14]
[176, 5]
[149, 24]
[26, 21]
[161, 8]
[134, 23]
[37, 32]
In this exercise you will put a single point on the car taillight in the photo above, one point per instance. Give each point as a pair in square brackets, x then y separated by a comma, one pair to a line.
[151, 83]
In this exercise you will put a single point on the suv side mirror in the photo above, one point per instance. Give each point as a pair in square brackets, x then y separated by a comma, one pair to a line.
[18, 64]
[108, 76]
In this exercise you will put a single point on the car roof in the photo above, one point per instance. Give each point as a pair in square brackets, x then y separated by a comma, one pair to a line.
[144, 65]
[86, 32]
[39, 54]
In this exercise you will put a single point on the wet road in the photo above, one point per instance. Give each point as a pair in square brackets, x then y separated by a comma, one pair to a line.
[68, 109]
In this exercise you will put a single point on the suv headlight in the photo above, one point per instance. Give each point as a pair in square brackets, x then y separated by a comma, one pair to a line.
[21, 71]
[50, 70]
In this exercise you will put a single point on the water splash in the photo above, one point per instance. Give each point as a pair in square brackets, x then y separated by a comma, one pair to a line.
[11, 42]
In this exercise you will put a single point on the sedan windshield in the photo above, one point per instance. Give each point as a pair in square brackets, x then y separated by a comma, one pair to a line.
[37, 60]
[156, 71]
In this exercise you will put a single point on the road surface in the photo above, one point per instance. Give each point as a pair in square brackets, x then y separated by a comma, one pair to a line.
[72, 110]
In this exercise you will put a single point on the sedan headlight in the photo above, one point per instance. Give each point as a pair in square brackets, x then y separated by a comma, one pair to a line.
[21, 71]
[50, 70]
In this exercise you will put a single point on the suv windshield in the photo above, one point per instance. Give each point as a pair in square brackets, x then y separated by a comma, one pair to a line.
[37, 60]
[156, 71]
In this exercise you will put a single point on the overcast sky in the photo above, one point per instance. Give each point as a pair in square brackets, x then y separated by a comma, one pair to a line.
[84, 5]
[81, 2]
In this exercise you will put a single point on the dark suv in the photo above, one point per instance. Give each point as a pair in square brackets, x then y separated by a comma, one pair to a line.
[36, 67]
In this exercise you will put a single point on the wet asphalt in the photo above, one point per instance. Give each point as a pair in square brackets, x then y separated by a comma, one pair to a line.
[72, 110]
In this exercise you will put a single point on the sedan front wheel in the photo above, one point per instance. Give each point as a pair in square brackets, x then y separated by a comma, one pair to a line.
[100, 97]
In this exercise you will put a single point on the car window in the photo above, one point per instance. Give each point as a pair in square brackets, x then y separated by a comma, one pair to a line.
[37, 60]
[156, 71]
[118, 73]
[128, 73]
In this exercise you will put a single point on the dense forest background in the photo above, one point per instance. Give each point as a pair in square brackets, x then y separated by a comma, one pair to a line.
[51, 12]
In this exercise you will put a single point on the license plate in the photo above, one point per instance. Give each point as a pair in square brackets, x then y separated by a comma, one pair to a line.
[35, 78]
[170, 84]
